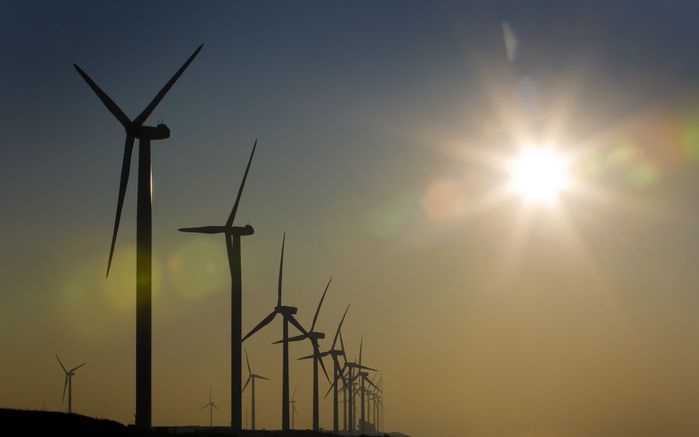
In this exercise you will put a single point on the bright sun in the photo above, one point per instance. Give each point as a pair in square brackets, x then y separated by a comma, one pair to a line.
[539, 174]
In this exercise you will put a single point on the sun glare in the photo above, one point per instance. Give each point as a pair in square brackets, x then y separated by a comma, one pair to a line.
[539, 174]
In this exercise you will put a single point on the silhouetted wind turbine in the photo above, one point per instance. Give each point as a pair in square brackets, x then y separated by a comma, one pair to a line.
[211, 405]
[287, 313]
[313, 336]
[379, 408]
[292, 403]
[337, 369]
[68, 384]
[252, 377]
[371, 396]
[233, 234]
[135, 129]
[362, 377]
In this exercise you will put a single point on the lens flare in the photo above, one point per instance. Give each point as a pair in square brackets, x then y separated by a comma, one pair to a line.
[539, 174]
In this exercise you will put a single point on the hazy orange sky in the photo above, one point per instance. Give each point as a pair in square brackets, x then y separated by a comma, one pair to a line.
[384, 128]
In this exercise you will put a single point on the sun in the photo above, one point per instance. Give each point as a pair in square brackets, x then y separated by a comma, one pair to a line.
[539, 174]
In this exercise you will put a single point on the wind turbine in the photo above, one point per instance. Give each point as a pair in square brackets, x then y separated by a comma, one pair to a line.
[338, 370]
[68, 384]
[252, 377]
[292, 403]
[313, 336]
[233, 234]
[378, 404]
[135, 129]
[211, 405]
[362, 376]
[347, 388]
[372, 403]
[287, 313]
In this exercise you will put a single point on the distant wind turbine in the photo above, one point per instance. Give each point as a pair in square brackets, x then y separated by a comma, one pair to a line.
[292, 403]
[287, 313]
[363, 378]
[135, 129]
[252, 377]
[313, 336]
[233, 234]
[68, 384]
[210, 405]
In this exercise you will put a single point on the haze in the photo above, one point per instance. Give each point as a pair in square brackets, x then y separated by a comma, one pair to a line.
[381, 127]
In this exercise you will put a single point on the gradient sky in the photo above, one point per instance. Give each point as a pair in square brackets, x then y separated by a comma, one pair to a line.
[381, 126]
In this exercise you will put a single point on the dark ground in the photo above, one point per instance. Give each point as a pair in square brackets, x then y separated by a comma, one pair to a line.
[44, 423]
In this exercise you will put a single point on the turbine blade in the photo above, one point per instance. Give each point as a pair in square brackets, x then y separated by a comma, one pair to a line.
[65, 386]
[125, 169]
[151, 106]
[59, 362]
[361, 342]
[261, 325]
[311, 356]
[263, 377]
[246, 383]
[202, 408]
[108, 102]
[371, 383]
[315, 317]
[330, 389]
[342, 347]
[294, 338]
[298, 326]
[337, 333]
[231, 217]
[316, 351]
[281, 267]
[76, 367]
[294, 395]
[214, 405]
[248, 361]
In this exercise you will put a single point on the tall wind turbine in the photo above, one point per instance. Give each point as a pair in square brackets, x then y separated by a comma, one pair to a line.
[252, 377]
[338, 370]
[292, 406]
[233, 234]
[68, 384]
[135, 129]
[287, 313]
[211, 405]
[313, 336]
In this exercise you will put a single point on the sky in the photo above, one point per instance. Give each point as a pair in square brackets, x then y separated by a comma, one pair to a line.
[384, 130]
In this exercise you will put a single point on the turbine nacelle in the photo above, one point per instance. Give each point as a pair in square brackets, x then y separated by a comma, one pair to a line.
[286, 310]
[159, 132]
[228, 230]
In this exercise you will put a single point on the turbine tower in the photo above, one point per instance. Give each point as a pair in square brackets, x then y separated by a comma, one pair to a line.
[313, 336]
[68, 384]
[233, 234]
[252, 377]
[211, 405]
[145, 134]
[287, 313]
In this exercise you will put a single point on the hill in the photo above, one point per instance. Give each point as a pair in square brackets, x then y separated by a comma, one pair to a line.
[46, 423]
